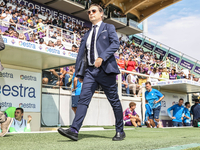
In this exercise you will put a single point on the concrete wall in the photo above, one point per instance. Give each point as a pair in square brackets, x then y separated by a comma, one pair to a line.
[55, 106]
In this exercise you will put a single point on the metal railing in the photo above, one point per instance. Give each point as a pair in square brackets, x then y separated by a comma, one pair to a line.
[133, 23]
[66, 36]
[135, 73]
[17, 27]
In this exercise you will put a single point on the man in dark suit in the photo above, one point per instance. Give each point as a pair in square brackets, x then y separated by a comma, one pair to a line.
[96, 65]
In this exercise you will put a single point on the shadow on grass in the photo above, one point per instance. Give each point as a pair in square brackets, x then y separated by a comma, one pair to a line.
[83, 136]
[7, 135]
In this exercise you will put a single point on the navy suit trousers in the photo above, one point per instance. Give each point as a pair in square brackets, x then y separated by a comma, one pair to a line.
[93, 77]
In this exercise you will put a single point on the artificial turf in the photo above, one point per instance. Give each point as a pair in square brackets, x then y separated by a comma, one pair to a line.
[138, 138]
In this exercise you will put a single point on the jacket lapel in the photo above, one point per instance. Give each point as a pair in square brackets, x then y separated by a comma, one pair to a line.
[100, 29]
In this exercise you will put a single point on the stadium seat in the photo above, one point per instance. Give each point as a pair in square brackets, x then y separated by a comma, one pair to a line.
[10, 112]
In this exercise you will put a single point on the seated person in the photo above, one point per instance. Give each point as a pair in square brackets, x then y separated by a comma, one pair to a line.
[5, 123]
[19, 124]
[131, 118]
[51, 78]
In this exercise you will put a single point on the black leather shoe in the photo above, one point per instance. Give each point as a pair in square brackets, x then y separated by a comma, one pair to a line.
[68, 133]
[119, 136]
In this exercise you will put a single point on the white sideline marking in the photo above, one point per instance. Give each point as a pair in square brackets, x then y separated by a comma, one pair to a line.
[180, 147]
[82, 129]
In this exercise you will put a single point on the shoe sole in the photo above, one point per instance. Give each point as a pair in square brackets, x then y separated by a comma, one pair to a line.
[69, 136]
[8, 127]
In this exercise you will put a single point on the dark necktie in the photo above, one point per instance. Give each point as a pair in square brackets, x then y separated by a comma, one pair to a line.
[92, 45]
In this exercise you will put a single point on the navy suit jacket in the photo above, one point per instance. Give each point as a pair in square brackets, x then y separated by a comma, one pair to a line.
[107, 43]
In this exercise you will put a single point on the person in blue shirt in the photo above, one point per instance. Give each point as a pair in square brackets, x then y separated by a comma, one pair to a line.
[153, 98]
[76, 91]
[178, 110]
[187, 116]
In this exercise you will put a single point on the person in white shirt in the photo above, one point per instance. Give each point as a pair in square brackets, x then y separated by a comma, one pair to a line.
[59, 45]
[51, 32]
[19, 124]
[154, 74]
[131, 79]
[5, 16]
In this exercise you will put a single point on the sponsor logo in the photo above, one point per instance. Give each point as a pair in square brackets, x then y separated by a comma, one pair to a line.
[161, 83]
[6, 75]
[163, 104]
[13, 41]
[27, 44]
[5, 40]
[15, 91]
[40, 47]
[52, 50]
[5, 104]
[25, 77]
[177, 81]
[46, 49]
[64, 53]
[163, 112]
[74, 55]
[27, 105]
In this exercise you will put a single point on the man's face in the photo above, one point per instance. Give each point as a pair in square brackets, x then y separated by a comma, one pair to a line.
[133, 107]
[180, 103]
[73, 49]
[18, 114]
[94, 14]
[188, 105]
[59, 42]
[148, 87]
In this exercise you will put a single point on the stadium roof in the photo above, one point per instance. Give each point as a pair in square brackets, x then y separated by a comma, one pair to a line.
[142, 9]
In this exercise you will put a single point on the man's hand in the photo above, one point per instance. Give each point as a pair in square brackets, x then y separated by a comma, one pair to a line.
[173, 117]
[181, 118]
[29, 119]
[156, 102]
[61, 76]
[74, 89]
[98, 62]
[80, 80]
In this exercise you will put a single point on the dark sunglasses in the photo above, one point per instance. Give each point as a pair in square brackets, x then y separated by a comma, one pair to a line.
[93, 11]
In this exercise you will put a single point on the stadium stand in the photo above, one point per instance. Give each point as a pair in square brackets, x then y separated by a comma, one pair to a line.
[27, 23]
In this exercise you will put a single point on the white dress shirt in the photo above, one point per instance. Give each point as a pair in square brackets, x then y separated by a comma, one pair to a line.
[88, 43]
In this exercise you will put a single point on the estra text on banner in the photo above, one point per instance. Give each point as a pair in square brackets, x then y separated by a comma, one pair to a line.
[20, 88]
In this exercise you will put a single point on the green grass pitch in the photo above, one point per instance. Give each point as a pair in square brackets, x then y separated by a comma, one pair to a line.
[138, 138]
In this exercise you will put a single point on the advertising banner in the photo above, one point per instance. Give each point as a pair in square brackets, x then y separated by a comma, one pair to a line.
[159, 51]
[137, 41]
[197, 70]
[55, 13]
[170, 100]
[39, 47]
[173, 58]
[20, 88]
[148, 46]
[186, 64]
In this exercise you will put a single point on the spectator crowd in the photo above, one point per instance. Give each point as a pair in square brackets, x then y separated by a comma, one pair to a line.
[27, 23]
[18, 18]
[133, 58]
